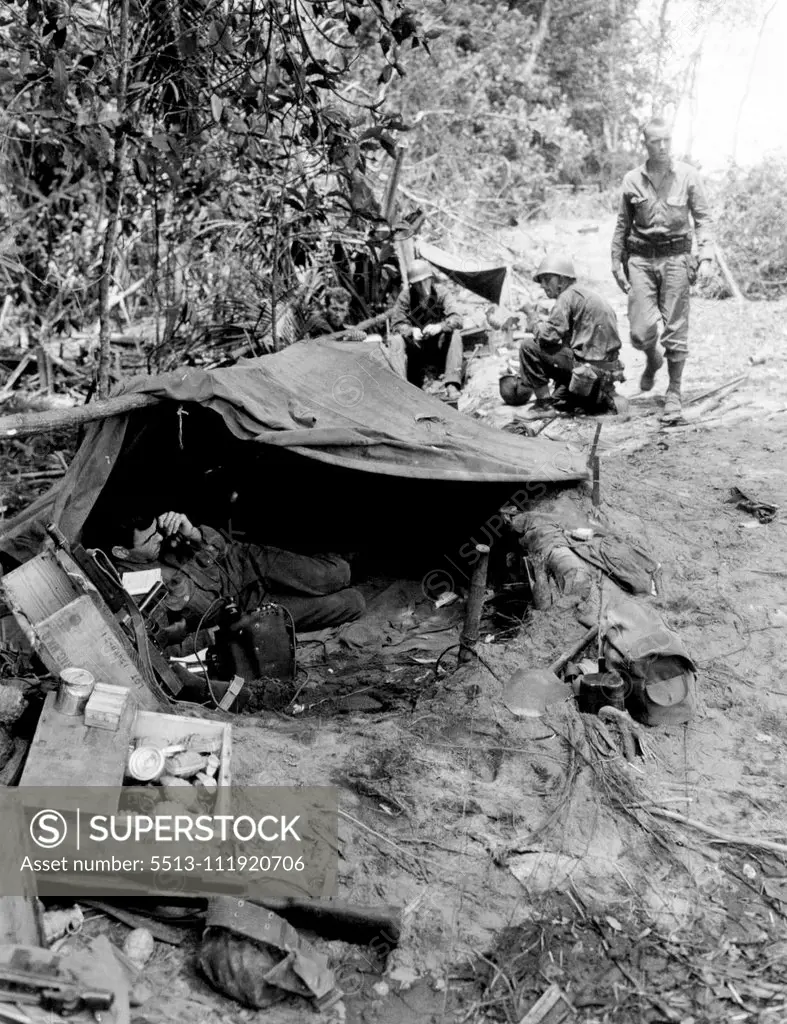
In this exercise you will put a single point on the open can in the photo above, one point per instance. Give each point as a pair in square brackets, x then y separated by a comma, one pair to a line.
[146, 764]
[76, 685]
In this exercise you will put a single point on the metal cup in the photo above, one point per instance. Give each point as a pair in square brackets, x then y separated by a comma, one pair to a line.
[76, 685]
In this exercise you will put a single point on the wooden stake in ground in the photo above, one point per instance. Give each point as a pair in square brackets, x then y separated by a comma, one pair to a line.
[596, 467]
[594, 446]
[475, 604]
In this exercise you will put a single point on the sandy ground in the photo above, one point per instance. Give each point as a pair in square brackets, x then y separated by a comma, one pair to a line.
[430, 796]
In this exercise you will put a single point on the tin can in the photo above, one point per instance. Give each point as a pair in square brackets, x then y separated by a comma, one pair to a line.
[599, 690]
[146, 764]
[583, 380]
[76, 685]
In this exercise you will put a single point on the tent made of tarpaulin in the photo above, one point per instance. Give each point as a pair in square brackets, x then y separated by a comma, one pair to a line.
[343, 416]
[478, 276]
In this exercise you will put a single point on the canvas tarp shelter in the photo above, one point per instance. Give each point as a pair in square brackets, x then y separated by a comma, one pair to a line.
[478, 276]
[339, 404]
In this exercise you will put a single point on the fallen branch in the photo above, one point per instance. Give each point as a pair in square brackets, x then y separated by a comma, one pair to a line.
[6, 306]
[72, 371]
[21, 366]
[572, 652]
[460, 220]
[737, 294]
[732, 384]
[119, 297]
[396, 846]
[719, 836]
[26, 423]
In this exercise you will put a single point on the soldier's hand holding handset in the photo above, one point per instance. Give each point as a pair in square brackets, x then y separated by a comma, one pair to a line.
[173, 524]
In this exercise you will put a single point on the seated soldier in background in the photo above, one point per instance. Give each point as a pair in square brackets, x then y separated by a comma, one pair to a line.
[426, 330]
[332, 317]
[200, 570]
[576, 345]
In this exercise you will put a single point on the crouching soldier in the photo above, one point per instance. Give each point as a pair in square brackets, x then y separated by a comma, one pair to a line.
[576, 346]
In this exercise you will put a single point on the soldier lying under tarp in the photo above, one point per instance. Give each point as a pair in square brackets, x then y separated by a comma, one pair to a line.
[201, 571]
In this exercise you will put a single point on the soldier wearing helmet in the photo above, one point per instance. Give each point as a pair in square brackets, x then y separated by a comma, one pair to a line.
[426, 331]
[576, 346]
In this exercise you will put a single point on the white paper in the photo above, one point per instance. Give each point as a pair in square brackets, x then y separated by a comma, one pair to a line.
[141, 582]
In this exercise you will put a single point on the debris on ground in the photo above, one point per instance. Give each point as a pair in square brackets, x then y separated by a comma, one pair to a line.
[575, 816]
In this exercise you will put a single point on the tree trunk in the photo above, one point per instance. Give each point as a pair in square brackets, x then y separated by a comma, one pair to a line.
[541, 33]
[114, 201]
[749, 79]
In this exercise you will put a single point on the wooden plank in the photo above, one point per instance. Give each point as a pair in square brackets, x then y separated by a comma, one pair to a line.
[79, 570]
[551, 1008]
[78, 636]
[66, 752]
[53, 580]
[39, 587]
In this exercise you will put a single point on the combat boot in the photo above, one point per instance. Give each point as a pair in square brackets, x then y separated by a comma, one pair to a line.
[673, 407]
[655, 362]
[542, 404]
[561, 398]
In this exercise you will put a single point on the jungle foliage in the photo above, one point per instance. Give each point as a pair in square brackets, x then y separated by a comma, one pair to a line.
[191, 160]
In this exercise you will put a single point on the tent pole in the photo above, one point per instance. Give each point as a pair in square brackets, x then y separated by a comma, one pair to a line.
[23, 424]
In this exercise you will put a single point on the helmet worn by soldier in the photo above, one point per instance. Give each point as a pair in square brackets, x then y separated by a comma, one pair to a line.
[554, 263]
[419, 270]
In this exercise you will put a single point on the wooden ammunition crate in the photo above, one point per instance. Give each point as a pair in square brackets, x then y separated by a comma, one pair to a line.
[69, 625]
[66, 752]
[170, 730]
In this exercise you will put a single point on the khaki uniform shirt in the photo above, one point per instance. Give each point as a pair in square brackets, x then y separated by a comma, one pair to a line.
[585, 321]
[665, 214]
[439, 307]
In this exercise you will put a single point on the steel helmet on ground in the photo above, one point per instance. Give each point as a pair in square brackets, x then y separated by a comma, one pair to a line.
[419, 270]
[554, 263]
[513, 390]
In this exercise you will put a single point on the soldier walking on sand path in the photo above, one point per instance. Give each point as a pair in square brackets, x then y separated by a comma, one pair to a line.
[662, 201]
